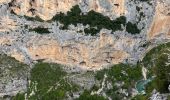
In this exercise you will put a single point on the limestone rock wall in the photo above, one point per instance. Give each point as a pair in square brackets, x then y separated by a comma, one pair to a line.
[46, 9]
[92, 55]
[161, 21]
[71, 48]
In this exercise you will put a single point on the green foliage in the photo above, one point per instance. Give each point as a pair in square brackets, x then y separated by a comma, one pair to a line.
[19, 96]
[148, 59]
[92, 18]
[87, 96]
[11, 68]
[140, 97]
[91, 31]
[126, 73]
[113, 94]
[36, 18]
[150, 86]
[138, 8]
[75, 11]
[121, 72]
[156, 60]
[50, 81]
[40, 30]
[132, 28]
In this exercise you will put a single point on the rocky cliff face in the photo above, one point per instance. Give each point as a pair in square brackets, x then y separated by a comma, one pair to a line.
[161, 21]
[46, 9]
[72, 48]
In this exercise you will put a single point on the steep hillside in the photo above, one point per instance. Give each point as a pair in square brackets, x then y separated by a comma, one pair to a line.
[77, 41]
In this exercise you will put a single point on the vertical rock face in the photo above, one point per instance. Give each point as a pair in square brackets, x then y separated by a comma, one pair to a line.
[81, 50]
[70, 46]
[92, 54]
[46, 9]
[161, 21]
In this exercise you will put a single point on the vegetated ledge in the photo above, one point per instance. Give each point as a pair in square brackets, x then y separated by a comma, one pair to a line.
[95, 20]
[40, 30]
[36, 18]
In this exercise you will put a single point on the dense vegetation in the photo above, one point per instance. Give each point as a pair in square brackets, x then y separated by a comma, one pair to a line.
[48, 82]
[156, 61]
[40, 30]
[132, 28]
[87, 96]
[128, 74]
[96, 21]
[36, 18]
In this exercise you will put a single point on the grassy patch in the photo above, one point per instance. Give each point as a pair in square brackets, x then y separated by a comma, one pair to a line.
[49, 82]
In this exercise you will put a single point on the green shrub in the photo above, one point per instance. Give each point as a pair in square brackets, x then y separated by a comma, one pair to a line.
[91, 31]
[129, 74]
[36, 18]
[92, 18]
[132, 28]
[40, 30]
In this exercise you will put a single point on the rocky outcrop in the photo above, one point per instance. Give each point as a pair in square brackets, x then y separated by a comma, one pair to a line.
[161, 21]
[13, 76]
[92, 54]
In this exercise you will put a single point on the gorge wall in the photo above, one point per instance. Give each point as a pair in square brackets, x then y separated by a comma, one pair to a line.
[69, 47]
[161, 21]
[46, 9]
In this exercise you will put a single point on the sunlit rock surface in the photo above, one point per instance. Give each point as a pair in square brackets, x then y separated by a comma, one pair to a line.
[46, 9]
[161, 21]
[75, 49]
[71, 47]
